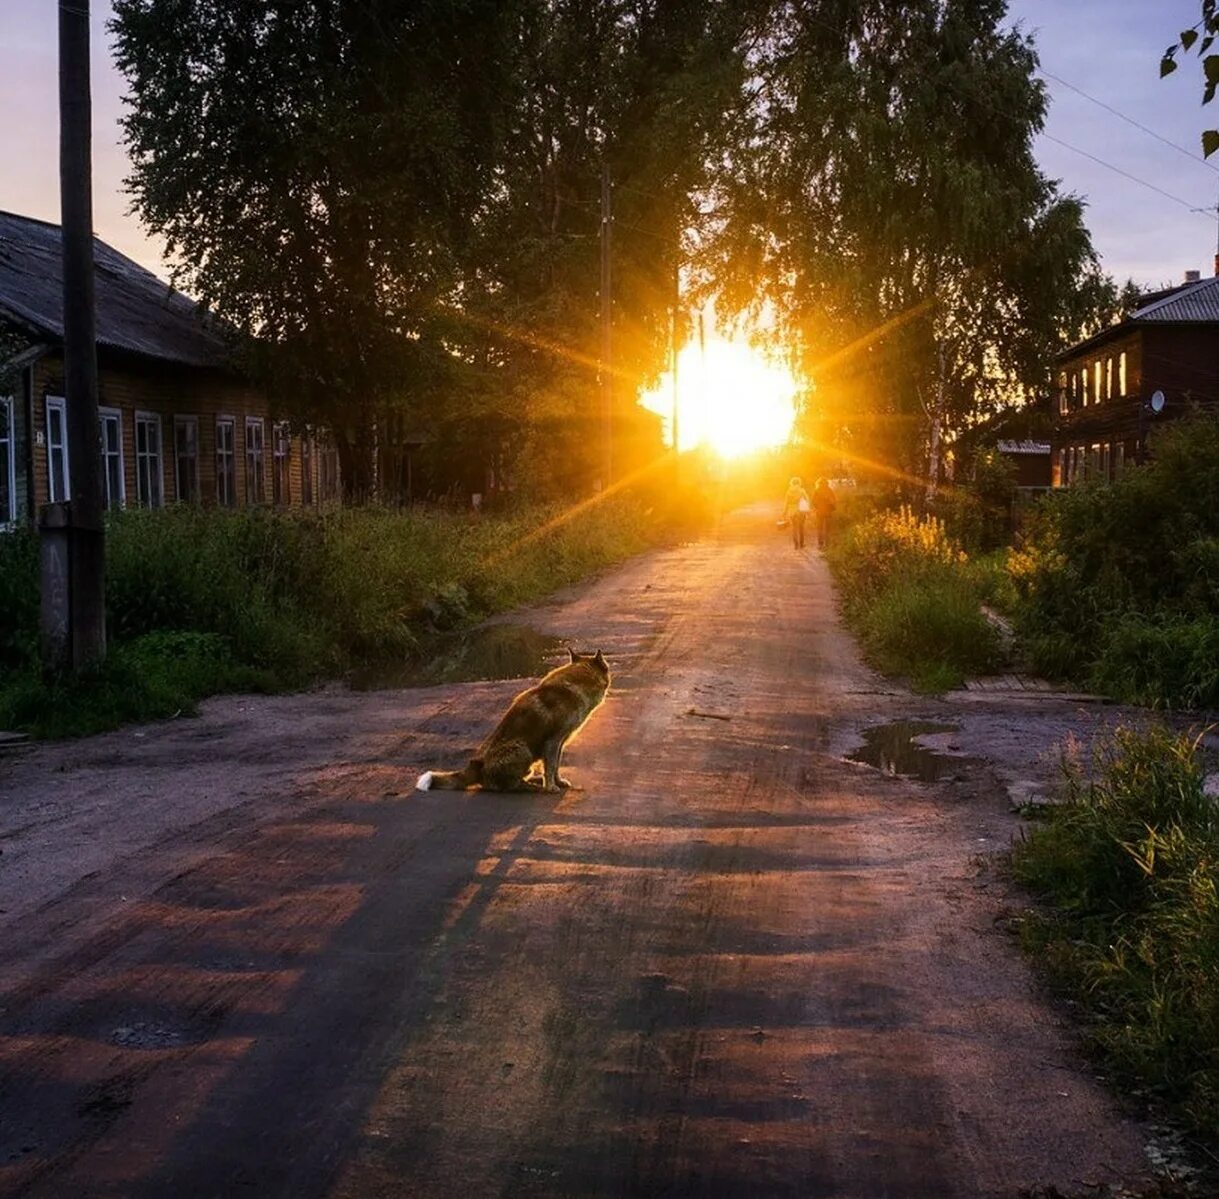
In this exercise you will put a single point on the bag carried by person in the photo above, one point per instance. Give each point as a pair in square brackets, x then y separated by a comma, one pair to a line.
[802, 505]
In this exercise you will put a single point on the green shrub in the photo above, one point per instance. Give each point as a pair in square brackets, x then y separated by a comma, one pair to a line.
[1129, 863]
[911, 596]
[281, 598]
[1112, 572]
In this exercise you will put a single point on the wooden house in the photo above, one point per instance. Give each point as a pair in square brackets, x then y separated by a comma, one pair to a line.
[179, 424]
[1156, 365]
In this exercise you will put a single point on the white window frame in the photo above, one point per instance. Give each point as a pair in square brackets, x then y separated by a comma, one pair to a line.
[179, 422]
[231, 422]
[281, 437]
[104, 414]
[255, 471]
[60, 405]
[150, 418]
[9, 465]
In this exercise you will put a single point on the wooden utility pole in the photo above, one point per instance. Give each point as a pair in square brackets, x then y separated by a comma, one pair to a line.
[85, 542]
[673, 335]
[607, 339]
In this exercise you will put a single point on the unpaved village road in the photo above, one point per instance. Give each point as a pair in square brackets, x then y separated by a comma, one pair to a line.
[240, 957]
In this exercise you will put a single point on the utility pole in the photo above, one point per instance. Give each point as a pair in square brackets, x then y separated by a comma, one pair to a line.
[76, 526]
[607, 335]
[673, 335]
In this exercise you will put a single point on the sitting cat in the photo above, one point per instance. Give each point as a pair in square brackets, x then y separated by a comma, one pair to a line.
[537, 725]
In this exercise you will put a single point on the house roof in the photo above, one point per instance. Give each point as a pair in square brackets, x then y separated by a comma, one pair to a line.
[136, 311]
[1190, 304]
[1023, 447]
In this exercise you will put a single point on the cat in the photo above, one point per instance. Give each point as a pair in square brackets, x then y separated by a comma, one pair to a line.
[537, 725]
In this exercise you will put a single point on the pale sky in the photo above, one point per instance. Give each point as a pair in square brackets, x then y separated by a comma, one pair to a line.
[1108, 48]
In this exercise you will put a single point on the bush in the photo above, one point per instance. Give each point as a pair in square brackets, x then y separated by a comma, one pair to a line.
[276, 599]
[1130, 864]
[1118, 584]
[911, 598]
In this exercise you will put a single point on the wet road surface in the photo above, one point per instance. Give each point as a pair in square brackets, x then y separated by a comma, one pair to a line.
[733, 964]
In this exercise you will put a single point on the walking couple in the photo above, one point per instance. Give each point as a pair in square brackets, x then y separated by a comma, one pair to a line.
[797, 505]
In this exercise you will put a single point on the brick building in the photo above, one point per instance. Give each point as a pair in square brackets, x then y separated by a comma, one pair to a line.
[178, 422]
[1156, 365]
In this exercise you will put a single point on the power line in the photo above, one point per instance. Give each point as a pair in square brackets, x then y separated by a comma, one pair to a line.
[1125, 174]
[1131, 121]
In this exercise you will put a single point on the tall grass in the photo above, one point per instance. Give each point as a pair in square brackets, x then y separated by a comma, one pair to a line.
[1129, 864]
[912, 600]
[200, 602]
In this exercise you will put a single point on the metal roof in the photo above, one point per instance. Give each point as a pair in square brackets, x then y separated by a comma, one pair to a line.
[1023, 447]
[1192, 302]
[136, 311]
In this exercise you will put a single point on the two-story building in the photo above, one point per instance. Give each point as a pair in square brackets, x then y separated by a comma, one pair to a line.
[1156, 365]
[179, 424]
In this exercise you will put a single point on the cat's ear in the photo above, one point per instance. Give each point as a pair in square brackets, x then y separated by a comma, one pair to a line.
[599, 658]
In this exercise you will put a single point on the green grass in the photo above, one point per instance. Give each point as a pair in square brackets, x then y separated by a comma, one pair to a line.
[912, 596]
[1128, 866]
[206, 602]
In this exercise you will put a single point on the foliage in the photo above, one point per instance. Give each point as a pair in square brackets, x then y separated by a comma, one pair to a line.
[1202, 36]
[1129, 863]
[886, 205]
[1118, 584]
[201, 602]
[910, 597]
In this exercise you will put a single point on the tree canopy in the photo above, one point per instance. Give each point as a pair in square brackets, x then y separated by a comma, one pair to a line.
[397, 204]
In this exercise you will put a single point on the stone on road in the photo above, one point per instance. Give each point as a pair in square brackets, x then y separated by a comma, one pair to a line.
[731, 965]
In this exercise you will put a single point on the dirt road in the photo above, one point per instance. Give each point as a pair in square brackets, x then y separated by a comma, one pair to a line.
[241, 957]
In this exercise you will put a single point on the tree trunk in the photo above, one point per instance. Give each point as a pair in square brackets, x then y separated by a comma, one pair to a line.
[935, 434]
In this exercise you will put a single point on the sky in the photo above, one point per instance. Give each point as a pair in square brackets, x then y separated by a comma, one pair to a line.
[1109, 49]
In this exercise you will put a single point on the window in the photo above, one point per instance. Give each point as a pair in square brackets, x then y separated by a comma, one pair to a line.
[255, 491]
[1097, 380]
[226, 471]
[58, 482]
[1056, 478]
[1083, 386]
[149, 488]
[1064, 403]
[186, 459]
[281, 477]
[1109, 378]
[114, 485]
[1119, 459]
[8, 463]
[1121, 374]
[306, 469]
[1105, 456]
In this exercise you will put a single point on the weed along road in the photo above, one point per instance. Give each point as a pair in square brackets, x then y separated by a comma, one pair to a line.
[242, 957]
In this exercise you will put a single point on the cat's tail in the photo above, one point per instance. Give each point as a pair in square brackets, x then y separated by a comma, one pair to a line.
[451, 780]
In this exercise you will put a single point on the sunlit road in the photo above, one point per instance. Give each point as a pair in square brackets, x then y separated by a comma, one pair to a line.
[732, 965]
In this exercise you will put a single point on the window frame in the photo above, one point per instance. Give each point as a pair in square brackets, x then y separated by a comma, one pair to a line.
[254, 468]
[231, 453]
[281, 488]
[105, 413]
[9, 519]
[57, 404]
[142, 457]
[180, 422]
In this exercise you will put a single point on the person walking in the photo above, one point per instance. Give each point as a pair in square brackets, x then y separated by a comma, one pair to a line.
[796, 507]
[824, 503]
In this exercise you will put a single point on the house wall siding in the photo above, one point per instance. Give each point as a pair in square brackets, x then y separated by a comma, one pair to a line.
[166, 392]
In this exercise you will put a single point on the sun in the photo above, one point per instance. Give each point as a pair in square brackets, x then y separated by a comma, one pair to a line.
[729, 397]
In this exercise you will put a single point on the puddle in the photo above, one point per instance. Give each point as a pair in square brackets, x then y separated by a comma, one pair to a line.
[893, 749]
[497, 651]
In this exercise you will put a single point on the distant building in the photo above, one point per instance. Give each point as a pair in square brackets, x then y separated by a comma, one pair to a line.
[1159, 363]
[178, 422]
[1031, 460]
